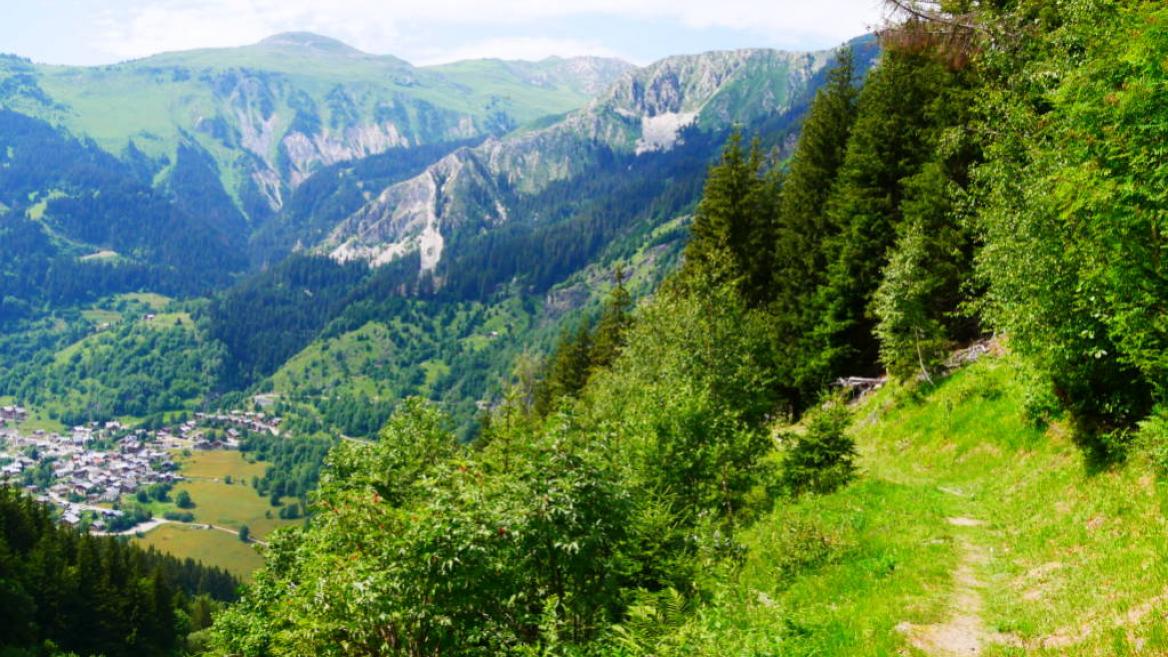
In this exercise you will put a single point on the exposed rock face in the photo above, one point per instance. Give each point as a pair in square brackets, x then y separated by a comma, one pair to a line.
[660, 133]
[406, 217]
[645, 111]
[307, 153]
[273, 113]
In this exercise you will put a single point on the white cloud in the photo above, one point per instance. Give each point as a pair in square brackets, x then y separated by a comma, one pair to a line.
[410, 29]
[520, 47]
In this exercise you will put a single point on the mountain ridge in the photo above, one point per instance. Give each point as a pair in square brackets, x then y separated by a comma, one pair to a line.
[646, 110]
[272, 113]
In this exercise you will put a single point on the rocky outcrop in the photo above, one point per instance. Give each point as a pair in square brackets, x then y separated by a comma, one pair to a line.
[645, 111]
[410, 217]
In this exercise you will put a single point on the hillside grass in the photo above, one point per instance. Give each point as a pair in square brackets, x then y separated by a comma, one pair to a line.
[1071, 557]
[226, 505]
[217, 503]
[213, 548]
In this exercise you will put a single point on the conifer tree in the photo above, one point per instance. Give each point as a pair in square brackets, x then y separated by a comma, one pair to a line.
[733, 228]
[921, 289]
[894, 135]
[567, 370]
[614, 322]
[802, 227]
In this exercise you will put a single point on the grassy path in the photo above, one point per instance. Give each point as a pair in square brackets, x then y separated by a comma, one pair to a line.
[1048, 557]
[968, 532]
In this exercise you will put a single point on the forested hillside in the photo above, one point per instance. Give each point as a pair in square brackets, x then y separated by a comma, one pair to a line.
[688, 479]
[62, 592]
[95, 211]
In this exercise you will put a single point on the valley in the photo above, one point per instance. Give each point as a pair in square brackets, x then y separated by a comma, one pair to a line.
[856, 350]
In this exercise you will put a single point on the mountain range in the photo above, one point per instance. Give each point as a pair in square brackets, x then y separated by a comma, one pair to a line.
[198, 173]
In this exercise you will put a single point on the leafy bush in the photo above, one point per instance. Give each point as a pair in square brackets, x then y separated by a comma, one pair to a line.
[1153, 440]
[179, 516]
[183, 500]
[820, 459]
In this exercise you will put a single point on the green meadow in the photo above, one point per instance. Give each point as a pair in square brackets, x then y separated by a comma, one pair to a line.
[967, 531]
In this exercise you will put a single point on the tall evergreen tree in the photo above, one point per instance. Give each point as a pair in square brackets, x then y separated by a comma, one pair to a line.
[733, 228]
[922, 286]
[614, 323]
[896, 131]
[802, 226]
[567, 370]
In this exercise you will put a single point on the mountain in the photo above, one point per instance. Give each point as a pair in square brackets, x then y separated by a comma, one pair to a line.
[647, 111]
[157, 173]
[272, 113]
[144, 176]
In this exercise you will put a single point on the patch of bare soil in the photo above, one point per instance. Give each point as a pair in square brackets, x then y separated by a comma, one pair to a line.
[964, 633]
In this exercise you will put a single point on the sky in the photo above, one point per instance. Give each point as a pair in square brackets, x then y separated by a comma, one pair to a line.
[90, 32]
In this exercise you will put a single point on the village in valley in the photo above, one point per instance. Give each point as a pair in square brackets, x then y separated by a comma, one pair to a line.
[86, 471]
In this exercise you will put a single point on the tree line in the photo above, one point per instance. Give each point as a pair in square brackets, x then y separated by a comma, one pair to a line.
[64, 592]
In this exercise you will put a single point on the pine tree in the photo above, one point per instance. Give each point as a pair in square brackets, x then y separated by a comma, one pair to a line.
[733, 228]
[802, 226]
[614, 322]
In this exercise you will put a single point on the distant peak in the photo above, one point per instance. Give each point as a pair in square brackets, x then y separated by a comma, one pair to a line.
[311, 41]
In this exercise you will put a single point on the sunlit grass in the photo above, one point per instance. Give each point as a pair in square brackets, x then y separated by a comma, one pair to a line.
[1075, 560]
[213, 548]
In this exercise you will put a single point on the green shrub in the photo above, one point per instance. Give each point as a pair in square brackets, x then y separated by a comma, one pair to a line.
[1040, 406]
[1153, 440]
[183, 500]
[820, 459]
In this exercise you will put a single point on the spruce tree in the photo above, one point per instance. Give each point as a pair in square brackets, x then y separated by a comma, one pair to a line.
[614, 322]
[733, 228]
[894, 135]
[567, 369]
[918, 299]
[802, 227]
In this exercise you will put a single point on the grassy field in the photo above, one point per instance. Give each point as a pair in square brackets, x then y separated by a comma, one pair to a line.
[209, 546]
[99, 316]
[968, 531]
[155, 301]
[227, 505]
[221, 504]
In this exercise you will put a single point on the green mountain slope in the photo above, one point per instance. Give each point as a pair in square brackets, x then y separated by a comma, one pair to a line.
[648, 111]
[272, 113]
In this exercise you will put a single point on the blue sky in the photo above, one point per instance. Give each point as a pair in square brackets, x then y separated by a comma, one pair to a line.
[430, 31]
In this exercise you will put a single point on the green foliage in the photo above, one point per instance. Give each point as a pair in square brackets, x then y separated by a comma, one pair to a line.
[1153, 440]
[802, 223]
[422, 548]
[821, 458]
[611, 330]
[293, 464]
[733, 230]
[136, 368]
[580, 354]
[690, 396]
[91, 595]
[567, 369]
[183, 500]
[1070, 181]
[244, 534]
[900, 113]
[539, 539]
[922, 283]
